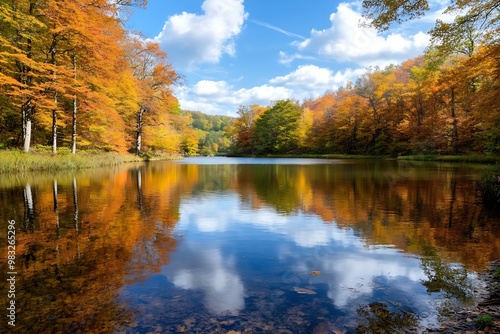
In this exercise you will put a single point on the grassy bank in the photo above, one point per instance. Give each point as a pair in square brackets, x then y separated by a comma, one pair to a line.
[453, 158]
[43, 160]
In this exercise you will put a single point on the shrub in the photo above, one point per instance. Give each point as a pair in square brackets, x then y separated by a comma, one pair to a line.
[484, 321]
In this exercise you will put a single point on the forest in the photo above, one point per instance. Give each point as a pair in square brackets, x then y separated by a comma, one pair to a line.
[417, 107]
[71, 76]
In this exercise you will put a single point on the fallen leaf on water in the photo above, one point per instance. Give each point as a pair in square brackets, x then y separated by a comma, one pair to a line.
[304, 291]
[315, 272]
[326, 328]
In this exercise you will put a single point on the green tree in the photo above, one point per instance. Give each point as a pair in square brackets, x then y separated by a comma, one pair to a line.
[276, 131]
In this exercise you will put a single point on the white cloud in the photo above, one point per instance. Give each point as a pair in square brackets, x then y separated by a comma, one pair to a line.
[305, 82]
[309, 80]
[210, 88]
[347, 41]
[287, 59]
[262, 95]
[196, 39]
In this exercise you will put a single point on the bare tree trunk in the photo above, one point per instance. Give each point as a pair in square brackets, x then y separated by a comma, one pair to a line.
[73, 132]
[138, 142]
[27, 135]
[54, 125]
[54, 111]
[27, 110]
[23, 123]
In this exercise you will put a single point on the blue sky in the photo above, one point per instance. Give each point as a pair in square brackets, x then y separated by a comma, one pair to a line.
[241, 52]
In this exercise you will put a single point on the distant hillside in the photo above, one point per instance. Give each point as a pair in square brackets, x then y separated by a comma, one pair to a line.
[209, 133]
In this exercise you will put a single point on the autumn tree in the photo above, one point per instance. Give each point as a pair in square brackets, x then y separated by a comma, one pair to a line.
[346, 116]
[380, 90]
[154, 79]
[476, 25]
[318, 137]
[243, 128]
[23, 71]
[421, 130]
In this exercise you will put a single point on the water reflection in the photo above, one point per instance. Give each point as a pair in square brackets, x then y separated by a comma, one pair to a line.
[209, 271]
[209, 246]
[351, 273]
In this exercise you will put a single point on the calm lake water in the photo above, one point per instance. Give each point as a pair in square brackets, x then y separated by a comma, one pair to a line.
[226, 245]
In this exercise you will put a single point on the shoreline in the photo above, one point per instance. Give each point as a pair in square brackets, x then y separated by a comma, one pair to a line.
[44, 160]
[466, 321]
[472, 158]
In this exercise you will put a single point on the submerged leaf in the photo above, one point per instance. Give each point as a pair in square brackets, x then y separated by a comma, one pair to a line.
[304, 291]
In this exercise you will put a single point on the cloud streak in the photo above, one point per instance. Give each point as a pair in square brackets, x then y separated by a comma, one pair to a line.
[284, 32]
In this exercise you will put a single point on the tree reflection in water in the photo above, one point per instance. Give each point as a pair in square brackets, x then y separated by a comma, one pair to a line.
[377, 318]
[452, 280]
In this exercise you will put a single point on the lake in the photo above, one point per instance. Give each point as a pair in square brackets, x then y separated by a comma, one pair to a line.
[242, 245]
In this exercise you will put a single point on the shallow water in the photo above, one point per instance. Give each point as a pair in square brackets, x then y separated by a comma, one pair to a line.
[213, 245]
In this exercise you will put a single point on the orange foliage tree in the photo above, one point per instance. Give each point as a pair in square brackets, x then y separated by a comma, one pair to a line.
[154, 78]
